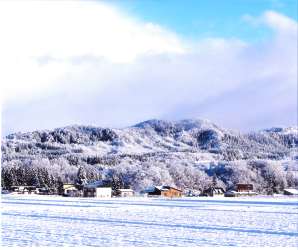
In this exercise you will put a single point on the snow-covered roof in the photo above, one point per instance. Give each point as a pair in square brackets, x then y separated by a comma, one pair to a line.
[70, 188]
[232, 191]
[94, 184]
[292, 190]
[149, 189]
[125, 190]
[161, 188]
[164, 188]
[243, 192]
[247, 192]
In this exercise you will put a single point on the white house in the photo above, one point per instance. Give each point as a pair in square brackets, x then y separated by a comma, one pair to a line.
[95, 190]
[125, 192]
[103, 192]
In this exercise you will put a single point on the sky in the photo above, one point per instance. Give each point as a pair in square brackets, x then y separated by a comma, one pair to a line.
[116, 63]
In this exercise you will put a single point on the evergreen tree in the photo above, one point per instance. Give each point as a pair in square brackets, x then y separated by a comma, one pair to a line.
[59, 184]
[7, 179]
[81, 177]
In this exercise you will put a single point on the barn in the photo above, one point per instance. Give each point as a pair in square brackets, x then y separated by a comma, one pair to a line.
[165, 191]
[240, 187]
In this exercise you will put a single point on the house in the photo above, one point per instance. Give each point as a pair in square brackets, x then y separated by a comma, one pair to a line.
[125, 192]
[192, 193]
[231, 193]
[213, 191]
[46, 191]
[5, 191]
[96, 190]
[67, 187]
[165, 191]
[24, 189]
[43, 191]
[241, 190]
[244, 187]
[291, 191]
[71, 190]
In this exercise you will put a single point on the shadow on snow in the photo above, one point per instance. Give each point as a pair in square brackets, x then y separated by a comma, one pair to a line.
[123, 222]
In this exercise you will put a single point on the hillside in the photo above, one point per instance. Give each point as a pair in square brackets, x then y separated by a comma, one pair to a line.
[186, 153]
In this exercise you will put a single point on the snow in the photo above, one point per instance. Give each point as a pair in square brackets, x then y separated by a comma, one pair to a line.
[291, 130]
[94, 184]
[35, 220]
[292, 190]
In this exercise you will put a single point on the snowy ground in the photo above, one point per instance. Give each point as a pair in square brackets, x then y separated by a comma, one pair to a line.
[32, 220]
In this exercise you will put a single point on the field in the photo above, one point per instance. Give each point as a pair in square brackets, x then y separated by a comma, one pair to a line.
[32, 220]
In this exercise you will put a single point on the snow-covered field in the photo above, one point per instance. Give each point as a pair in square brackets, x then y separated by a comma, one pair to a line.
[32, 220]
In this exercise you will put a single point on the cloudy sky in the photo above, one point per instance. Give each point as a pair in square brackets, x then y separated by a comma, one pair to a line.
[116, 63]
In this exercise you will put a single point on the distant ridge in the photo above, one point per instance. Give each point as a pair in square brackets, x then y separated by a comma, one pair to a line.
[153, 151]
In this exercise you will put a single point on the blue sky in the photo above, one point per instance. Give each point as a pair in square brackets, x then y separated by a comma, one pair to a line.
[201, 18]
[116, 63]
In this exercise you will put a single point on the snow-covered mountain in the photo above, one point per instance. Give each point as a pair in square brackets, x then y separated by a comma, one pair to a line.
[155, 136]
[194, 143]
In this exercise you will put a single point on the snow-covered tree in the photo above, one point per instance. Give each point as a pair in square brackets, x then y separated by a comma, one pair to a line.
[81, 177]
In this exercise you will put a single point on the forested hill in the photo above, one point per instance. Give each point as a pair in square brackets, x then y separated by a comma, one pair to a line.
[186, 153]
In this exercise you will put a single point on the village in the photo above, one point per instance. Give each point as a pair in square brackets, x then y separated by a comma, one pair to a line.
[98, 189]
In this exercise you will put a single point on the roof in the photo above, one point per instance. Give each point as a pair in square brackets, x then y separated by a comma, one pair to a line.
[70, 188]
[149, 189]
[291, 190]
[94, 184]
[244, 184]
[236, 192]
[161, 188]
[165, 188]
[23, 186]
[125, 190]
[68, 185]
[218, 190]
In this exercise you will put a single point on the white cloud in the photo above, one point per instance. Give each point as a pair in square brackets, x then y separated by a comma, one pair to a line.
[88, 63]
[279, 22]
[60, 31]
[67, 29]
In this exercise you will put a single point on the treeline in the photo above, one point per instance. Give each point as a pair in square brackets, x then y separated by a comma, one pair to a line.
[42, 172]
[267, 176]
